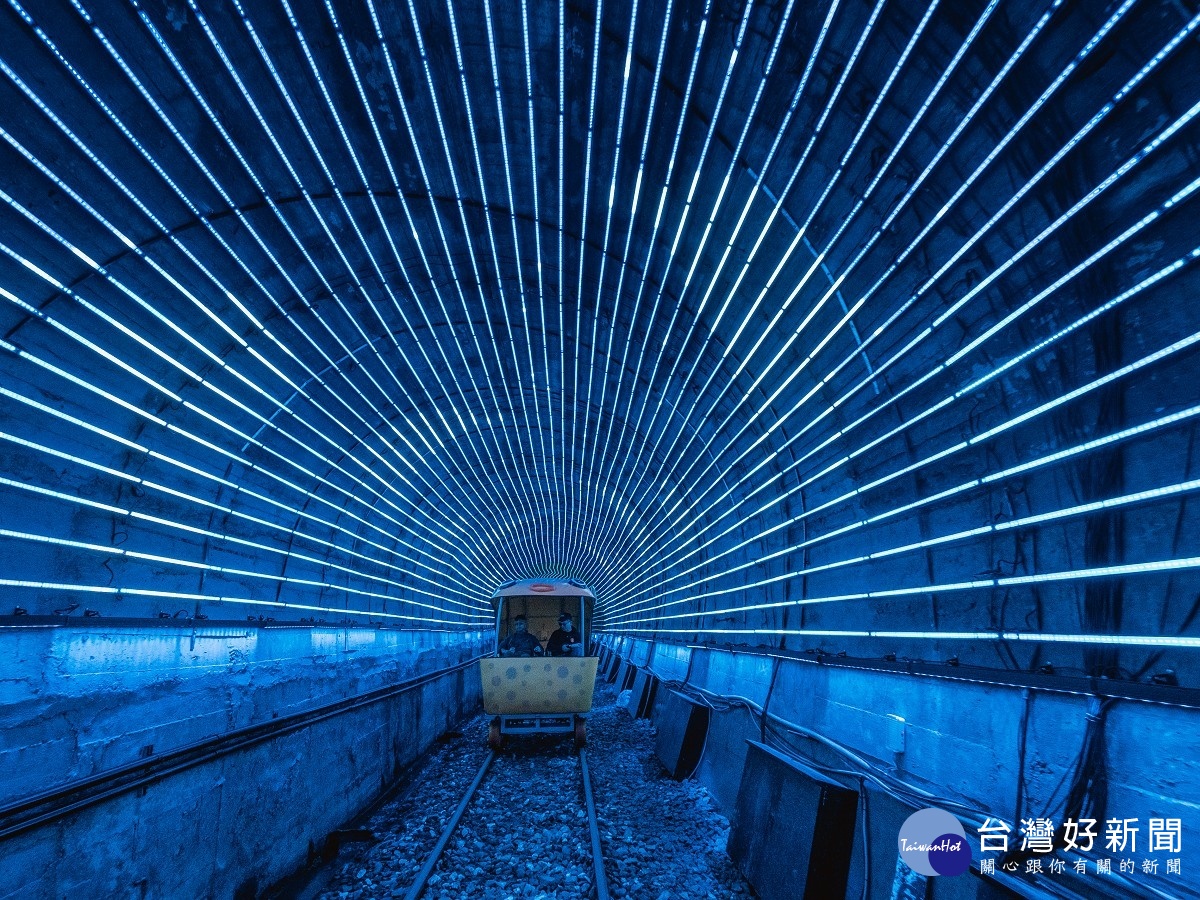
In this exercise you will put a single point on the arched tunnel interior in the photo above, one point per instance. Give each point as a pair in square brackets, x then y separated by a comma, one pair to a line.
[845, 351]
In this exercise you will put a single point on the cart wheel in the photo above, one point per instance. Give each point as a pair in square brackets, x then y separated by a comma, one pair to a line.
[580, 733]
[495, 739]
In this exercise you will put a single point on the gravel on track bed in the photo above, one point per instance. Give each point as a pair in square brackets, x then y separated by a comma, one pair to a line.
[525, 834]
[663, 839]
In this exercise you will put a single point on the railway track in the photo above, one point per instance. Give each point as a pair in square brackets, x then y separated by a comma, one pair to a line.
[435, 855]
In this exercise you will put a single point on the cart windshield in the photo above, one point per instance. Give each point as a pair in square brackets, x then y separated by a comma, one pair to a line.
[541, 614]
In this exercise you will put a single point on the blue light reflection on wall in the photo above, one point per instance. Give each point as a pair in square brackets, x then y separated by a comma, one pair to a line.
[359, 310]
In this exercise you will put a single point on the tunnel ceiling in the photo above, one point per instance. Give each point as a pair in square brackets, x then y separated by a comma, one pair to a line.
[846, 327]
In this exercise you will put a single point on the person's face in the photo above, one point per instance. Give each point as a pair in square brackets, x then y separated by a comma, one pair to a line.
[519, 625]
[567, 626]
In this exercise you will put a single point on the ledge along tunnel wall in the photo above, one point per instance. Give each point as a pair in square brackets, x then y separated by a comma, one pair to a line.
[839, 330]
[987, 744]
[207, 760]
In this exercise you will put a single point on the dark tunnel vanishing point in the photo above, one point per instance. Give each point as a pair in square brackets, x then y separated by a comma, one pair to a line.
[853, 338]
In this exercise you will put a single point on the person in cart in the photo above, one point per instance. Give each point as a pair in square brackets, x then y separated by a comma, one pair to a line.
[565, 641]
[521, 642]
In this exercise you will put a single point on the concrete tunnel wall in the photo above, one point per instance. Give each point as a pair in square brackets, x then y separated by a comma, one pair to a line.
[962, 742]
[81, 701]
[854, 327]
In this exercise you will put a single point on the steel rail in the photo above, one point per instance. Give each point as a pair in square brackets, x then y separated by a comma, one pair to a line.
[435, 854]
[422, 878]
[593, 827]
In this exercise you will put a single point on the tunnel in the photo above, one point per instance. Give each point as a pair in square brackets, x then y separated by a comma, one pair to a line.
[844, 354]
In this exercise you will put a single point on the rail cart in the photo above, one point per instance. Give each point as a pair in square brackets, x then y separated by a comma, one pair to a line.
[539, 694]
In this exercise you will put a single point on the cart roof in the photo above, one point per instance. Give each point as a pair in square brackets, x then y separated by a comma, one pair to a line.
[543, 587]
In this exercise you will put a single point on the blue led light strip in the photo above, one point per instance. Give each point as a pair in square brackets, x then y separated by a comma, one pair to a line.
[414, 230]
[1134, 367]
[557, 520]
[618, 294]
[531, 512]
[997, 372]
[543, 529]
[817, 205]
[429, 489]
[125, 131]
[710, 134]
[294, 512]
[109, 550]
[804, 156]
[830, 104]
[357, 82]
[362, 240]
[1173, 491]
[528, 512]
[1116, 175]
[433, 368]
[63, 329]
[177, 595]
[591, 437]
[1130, 640]
[958, 131]
[500, 501]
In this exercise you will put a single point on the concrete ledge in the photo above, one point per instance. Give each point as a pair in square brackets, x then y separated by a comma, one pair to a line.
[244, 819]
[724, 758]
[965, 736]
[78, 699]
[805, 853]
